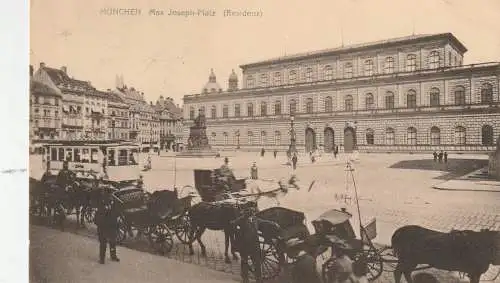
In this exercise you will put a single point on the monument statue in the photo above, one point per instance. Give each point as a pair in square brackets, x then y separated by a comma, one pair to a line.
[197, 143]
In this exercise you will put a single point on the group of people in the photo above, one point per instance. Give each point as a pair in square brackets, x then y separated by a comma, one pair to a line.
[441, 156]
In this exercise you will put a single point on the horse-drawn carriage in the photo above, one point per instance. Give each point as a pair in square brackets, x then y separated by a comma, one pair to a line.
[155, 215]
[331, 228]
[211, 187]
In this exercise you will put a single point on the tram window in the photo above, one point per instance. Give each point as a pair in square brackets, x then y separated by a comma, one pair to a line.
[61, 154]
[85, 155]
[111, 157]
[77, 155]
[53, 154]
[93, 156]
[122, 157]
[69, 154]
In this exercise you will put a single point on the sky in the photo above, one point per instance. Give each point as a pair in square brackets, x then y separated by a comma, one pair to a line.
[172, 56]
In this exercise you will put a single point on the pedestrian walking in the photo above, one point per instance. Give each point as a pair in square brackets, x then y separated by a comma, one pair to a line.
[294, 161]
[254, 172]
[262, 152]
[435, 156]
[275, 153]
[336, 151]
[106, 220]
[440, 156]
[445, 157]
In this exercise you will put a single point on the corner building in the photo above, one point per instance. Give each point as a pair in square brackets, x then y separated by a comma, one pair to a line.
[410, 94]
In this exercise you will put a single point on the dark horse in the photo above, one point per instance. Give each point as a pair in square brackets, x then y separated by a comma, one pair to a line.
[464, 251]
[216, 216]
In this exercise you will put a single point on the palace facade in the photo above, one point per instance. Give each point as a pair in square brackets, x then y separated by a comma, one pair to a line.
[409, 94]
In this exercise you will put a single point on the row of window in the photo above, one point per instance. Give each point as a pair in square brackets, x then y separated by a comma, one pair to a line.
[46, 100]
[434, 62]
[389, 102]
[460, 136]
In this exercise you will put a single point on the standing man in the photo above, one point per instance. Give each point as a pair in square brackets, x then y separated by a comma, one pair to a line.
[294, 160]
[275, 153]
[440, 156]
[254, 172]
[336, 151]
[435, 156]
[445, 157]
[106, 220]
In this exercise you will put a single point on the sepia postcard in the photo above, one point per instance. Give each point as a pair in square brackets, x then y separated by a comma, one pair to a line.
[264, 141]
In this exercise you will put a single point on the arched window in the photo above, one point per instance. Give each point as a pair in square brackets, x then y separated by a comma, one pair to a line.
[370, 136]
[411, 136]
[250, 109]
[348, 70]
[264, 80]
[389, 100]
[369, 101]
[486, 93]
[309, 106]
[277, 107]
[293, 106]
[309, 75]
[389, 136]
[435, 136]
[389, 65]
[349, 103]
[487, 135]
[459, 95]
[328, 72]
[277, 78]
[411, 99]
[213, 137]
[292, 76]
[226, 138]
[225, 111]
[191, 113]
[250, 138]
[434, 60]
[250, 81]
[263, 108]
[434, 97]
[328, 104]
[411, 62]
[213, 112]
[237, 110]
[263, 137]
[368, 67]
[277, 138]
[460, 135]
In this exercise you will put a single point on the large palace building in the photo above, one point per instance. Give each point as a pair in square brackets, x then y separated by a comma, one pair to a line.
[410, 94]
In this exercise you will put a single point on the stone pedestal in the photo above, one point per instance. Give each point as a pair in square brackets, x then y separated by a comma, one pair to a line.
[198, 145]
[494, 162]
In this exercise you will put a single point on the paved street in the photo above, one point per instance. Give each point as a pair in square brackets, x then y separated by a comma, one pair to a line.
[396, 189]
[63, 257]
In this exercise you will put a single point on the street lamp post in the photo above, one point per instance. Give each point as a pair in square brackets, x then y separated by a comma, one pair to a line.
[113, 128]
[293, 137]
[238, 139]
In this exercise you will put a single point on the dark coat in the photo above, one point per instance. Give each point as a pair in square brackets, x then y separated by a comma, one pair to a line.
[106, 219]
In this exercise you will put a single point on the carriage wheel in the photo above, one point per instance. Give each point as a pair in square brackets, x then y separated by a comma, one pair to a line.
[183, 229]
[373, 261]
[270, 264]
[122, 230]
[160, 239]
[389, 259]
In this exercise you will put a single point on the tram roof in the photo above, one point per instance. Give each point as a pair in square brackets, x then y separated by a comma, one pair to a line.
[87, 143]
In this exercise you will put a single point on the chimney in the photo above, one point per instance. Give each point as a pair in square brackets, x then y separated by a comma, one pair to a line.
[64, 69]
[42, 65]
[31, 71]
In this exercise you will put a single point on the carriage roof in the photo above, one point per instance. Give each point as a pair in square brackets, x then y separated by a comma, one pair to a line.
[282, 216]
[335, 216]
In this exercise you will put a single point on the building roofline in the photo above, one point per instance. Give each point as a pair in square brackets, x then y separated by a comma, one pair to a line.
[359, 47]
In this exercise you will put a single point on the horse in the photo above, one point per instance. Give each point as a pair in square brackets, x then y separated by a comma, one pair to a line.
[216, 216]
[465, 251]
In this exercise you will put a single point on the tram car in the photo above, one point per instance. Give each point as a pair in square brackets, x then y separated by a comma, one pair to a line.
[115, 161]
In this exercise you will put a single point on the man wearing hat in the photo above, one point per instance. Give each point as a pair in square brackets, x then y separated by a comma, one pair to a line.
[106, 220]
[226, 174]
[342, 268]
[65, 176]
